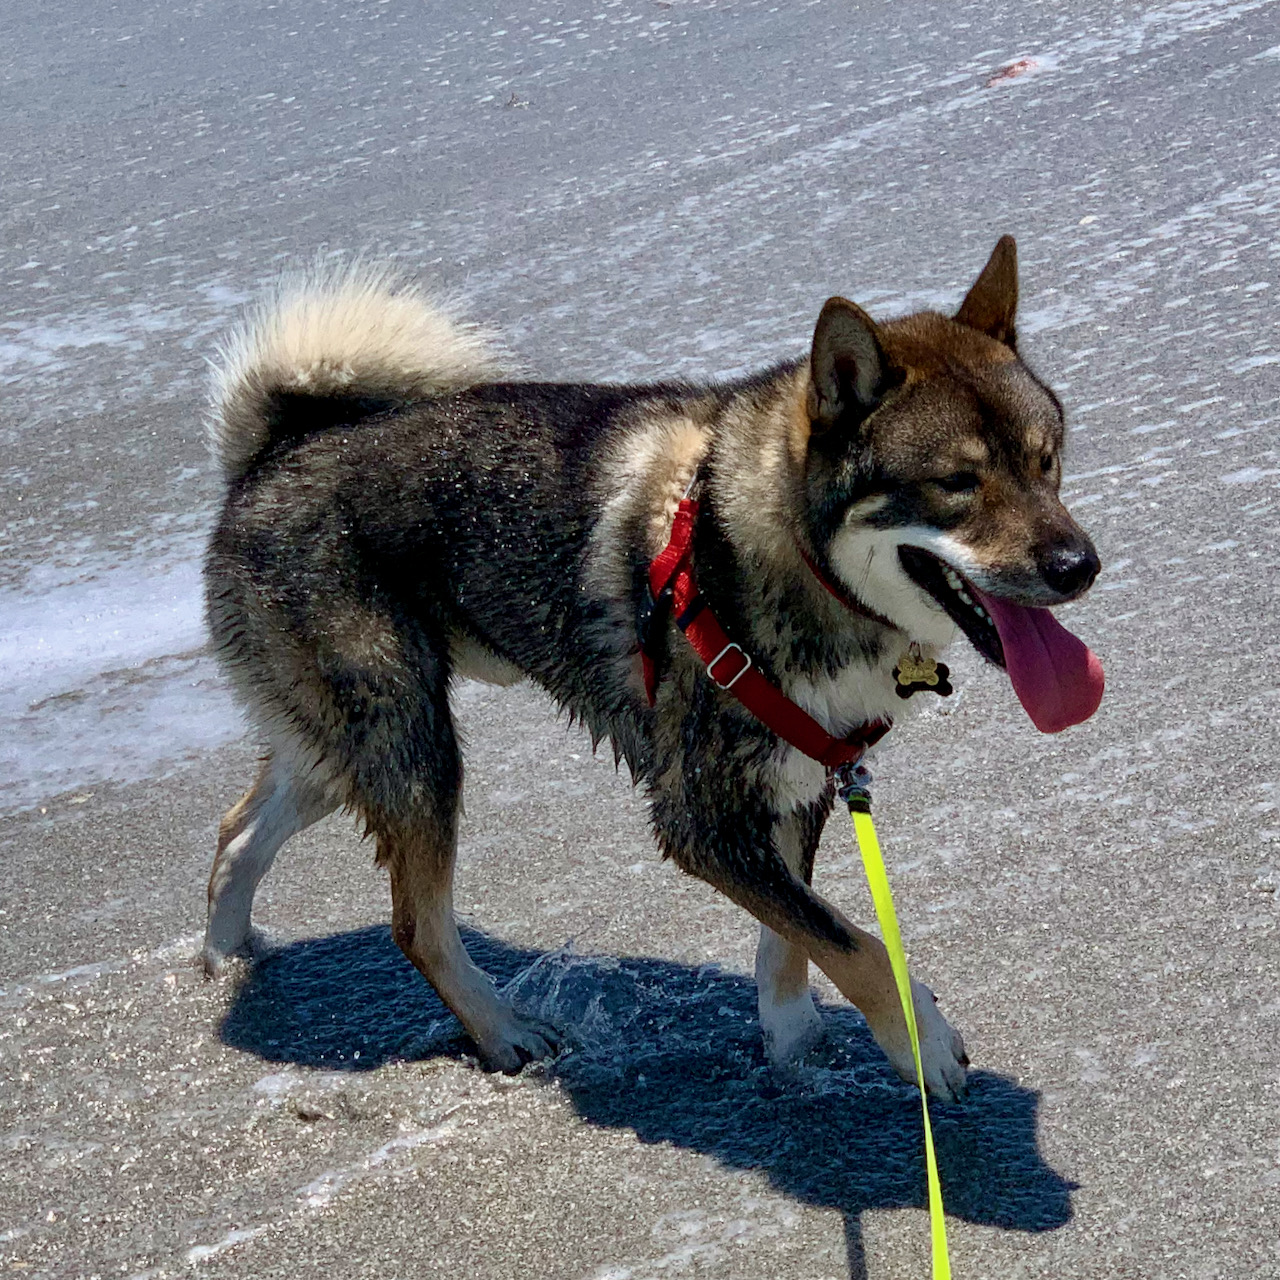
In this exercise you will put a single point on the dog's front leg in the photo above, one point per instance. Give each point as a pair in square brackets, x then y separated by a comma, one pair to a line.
[753, 873]
[788, 1019]
[859, 966]
[865, 977]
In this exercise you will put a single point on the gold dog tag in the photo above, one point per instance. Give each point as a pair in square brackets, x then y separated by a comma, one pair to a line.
[917, 672]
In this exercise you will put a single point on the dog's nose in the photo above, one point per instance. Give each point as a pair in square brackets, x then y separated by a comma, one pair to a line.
[1071, 568]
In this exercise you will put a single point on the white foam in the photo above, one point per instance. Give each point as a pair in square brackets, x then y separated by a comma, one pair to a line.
[23, 990]
[697, 1238]
[320, 1191]
[105, 679]
[202, 1252]
[1254, 362]
[50, 642]
[53, 346]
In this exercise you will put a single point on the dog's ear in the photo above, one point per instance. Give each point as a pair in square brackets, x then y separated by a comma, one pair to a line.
[846, 366]
[990, 305]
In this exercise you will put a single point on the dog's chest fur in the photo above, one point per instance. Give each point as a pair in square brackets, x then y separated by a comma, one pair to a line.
[860, 692]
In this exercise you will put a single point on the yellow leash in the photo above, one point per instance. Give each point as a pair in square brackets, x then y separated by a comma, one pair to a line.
[852, 783]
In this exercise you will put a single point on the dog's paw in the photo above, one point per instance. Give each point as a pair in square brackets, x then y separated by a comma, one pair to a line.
[223, 960]
[790, 1030]
[519, 1041]
[942, 1052]
[215, 963]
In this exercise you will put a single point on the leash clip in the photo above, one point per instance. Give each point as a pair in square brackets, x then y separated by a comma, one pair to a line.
[853, 786]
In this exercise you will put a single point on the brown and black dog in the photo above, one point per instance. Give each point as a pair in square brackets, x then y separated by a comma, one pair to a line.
[398, 514]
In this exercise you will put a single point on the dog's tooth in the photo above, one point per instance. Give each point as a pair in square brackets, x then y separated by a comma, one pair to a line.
[964, 595]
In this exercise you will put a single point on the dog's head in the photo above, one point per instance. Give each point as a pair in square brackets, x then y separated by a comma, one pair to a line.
[932, 476]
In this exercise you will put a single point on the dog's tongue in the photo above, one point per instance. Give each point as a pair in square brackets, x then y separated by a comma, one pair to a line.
[1056, 676]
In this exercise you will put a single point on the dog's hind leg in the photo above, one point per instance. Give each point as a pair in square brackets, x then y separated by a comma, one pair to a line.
[420, 859]
[392, 741]
[277, 806]
[788, 1018]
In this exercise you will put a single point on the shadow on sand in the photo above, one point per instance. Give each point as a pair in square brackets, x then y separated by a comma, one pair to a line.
[673, 1053]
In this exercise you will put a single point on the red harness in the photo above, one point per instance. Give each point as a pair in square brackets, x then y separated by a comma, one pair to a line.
[728, 664]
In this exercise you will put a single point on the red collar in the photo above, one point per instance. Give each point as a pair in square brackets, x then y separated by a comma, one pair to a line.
[729, 665]
[846, 597]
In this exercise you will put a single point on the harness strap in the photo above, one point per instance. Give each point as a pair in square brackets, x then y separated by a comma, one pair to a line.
[729, 665]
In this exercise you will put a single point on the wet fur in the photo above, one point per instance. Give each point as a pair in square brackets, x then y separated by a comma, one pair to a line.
[397, 516]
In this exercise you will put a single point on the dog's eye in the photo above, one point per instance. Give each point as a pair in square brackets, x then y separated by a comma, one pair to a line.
[958, 482]
[1046, 463]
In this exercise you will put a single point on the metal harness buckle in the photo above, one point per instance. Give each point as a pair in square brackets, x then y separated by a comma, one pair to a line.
[737, 675]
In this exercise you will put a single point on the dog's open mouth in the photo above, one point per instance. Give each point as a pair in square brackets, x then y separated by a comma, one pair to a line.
[958, 598]
[1057, 678]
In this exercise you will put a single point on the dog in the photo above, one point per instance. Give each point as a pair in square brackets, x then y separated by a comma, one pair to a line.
[399, 514]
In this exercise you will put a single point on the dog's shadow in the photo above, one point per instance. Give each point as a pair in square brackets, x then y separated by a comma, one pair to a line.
[674, 1053]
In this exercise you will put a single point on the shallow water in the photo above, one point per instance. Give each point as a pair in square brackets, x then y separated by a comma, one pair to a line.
[106, 679]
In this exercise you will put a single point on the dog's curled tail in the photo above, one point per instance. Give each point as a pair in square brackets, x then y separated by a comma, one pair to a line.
[334, 346]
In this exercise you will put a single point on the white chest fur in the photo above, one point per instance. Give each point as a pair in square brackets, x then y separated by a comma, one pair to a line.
[858, 694]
